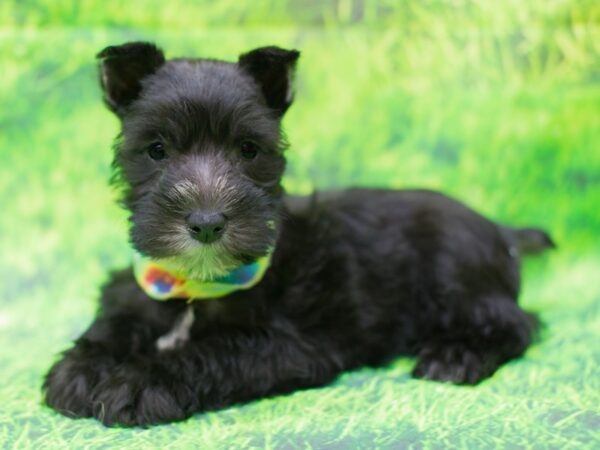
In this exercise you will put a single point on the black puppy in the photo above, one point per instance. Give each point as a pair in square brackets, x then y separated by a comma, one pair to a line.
[267, 293]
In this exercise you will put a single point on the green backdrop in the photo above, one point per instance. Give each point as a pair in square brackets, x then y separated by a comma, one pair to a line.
[495, 102]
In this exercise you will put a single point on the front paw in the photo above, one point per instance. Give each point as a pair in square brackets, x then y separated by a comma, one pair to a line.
[453, 363]
[141, 394]
[69, 383]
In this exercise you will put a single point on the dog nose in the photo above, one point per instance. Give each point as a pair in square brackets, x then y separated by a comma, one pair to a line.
[206, 227]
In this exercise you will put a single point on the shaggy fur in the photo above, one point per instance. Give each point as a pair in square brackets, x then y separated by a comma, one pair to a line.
[357, 278]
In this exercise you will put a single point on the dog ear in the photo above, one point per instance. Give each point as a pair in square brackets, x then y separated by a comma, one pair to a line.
[273, 69]
[121, 70]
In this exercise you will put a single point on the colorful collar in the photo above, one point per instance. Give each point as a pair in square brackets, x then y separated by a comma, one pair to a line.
[162, 283]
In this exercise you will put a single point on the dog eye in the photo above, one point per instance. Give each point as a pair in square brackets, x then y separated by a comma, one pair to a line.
[156, 151]
[248, 149]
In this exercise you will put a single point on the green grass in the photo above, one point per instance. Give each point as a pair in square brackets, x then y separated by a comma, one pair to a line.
[497, 103]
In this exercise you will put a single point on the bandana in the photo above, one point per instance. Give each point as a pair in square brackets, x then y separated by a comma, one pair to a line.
[162, 283]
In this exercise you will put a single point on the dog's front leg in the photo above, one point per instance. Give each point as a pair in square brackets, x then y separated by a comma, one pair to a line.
[213, 371]
[70, 383]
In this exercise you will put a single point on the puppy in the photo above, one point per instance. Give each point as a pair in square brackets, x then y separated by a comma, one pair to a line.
[239, 291]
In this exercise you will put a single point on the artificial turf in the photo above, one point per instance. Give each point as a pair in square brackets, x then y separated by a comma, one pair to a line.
[496, 103]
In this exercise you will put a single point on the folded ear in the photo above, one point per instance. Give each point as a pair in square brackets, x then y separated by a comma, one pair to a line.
[273, 69]
[121, 70]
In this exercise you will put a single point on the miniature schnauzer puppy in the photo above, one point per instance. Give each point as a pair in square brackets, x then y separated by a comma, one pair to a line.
[241, 292]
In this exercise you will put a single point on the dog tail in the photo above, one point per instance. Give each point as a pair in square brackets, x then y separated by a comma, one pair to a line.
[530, 241]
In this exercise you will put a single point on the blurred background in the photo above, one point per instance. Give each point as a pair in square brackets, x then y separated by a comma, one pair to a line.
[494, 102]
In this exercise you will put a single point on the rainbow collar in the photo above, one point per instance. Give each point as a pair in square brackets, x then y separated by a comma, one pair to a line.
[163, 283]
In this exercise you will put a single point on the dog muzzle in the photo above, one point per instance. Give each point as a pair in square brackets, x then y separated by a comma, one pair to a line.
[162, 282]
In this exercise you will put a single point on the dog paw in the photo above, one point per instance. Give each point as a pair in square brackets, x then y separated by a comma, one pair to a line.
[454, 364]
[135, 395]
[69, 383]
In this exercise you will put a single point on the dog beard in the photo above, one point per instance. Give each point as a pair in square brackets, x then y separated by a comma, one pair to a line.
[205, 262]
[200, 261]
[196, 260]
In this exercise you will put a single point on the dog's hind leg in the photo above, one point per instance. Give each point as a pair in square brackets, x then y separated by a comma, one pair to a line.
[480, 339]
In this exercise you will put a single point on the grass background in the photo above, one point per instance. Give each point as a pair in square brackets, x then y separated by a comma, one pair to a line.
[495, 102]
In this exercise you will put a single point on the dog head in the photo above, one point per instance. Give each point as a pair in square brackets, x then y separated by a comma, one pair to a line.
[200, 154]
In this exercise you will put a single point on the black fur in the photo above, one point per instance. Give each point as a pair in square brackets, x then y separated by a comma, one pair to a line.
[121, 82]
[358, 277]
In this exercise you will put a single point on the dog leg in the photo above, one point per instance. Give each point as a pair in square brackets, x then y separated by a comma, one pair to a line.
[230, 367]
[495, 331]
[108, 342]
